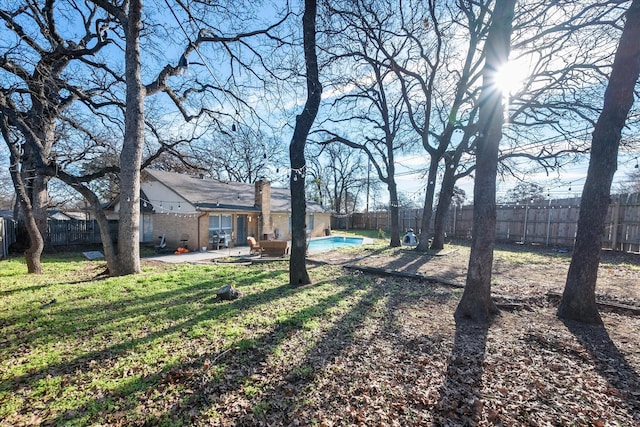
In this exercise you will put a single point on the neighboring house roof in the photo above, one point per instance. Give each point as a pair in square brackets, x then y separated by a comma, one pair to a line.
[67, 215]
[144, 206]
[6, 213]
[205, 193]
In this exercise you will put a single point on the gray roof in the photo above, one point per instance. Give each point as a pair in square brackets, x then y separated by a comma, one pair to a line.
[281, 202]
[208, 193]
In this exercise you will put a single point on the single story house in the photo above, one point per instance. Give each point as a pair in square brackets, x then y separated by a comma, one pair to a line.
[210, 213]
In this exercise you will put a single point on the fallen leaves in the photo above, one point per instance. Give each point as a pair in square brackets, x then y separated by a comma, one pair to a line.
[387, 352]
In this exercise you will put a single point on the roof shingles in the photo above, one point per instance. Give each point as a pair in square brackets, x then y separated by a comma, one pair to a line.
[214, 194]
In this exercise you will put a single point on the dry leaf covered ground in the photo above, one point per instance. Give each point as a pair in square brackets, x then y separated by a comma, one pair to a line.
[397, 358]
[415, 366]
[351, 349]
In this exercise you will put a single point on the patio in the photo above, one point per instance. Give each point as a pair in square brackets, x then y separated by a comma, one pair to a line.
[201, 257]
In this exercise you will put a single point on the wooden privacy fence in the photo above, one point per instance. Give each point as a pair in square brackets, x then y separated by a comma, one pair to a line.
[555, 223]
[7, 236]
[75, 232]
[550, 222]
[408, 218]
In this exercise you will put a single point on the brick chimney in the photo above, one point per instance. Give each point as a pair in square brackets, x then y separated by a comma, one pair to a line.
[263, 201]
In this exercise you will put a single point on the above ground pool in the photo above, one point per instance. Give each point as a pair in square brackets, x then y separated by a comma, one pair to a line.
[328, 243]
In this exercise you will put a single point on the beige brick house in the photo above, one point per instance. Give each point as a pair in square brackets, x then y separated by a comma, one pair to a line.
[211, 213]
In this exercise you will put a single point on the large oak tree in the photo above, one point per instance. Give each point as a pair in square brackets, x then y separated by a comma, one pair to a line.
[298, 274]
[578, 300]
[476, 303]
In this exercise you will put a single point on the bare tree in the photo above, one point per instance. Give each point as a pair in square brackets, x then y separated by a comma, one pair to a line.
[440, 86]
[34, 95]
[7, 194]
[242, 155]
[368, 101]
[578, 300]
[34, 106]
[298, 274]
[525, 192]
[476, 302]
[631, 184]
[336, 172]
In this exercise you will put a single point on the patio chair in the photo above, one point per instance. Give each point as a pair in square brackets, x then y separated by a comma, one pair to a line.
[162, 245]
[254, 247]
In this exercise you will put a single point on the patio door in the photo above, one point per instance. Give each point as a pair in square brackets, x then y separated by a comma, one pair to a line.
[241, 230]
[147, 228]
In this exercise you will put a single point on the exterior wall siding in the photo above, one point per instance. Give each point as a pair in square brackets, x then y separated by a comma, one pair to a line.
[174, 228]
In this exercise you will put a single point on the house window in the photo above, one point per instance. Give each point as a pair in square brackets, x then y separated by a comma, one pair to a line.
[220, 222]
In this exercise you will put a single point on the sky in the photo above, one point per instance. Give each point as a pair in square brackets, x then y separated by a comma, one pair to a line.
[410, 182]
[569, 183]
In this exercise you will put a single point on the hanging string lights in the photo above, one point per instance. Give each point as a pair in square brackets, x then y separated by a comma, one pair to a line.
[169, 207]
[300, 172]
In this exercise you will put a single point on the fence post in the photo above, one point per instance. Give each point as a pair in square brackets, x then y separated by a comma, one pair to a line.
[455, 208]
[549, 222]
[614, 231]
[526, 217]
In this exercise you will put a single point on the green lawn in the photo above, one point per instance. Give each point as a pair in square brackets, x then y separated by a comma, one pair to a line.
[81, 349]
[78, 349]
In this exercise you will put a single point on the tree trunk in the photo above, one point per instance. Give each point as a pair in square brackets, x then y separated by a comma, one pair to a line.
[36, 242]
[395, 216]
[298, 274]
[101, 218]
[32, 216]
[444, 204]
[40, 205]
[579, 297]
[131, 155]
[476, 303]
[427, 210]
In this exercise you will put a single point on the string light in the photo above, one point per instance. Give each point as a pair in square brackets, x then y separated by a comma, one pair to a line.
[299, 172]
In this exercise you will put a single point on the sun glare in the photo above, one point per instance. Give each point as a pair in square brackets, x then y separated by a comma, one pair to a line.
[510, 77]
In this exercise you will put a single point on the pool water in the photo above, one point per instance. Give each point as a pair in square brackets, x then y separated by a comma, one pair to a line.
[328, 243]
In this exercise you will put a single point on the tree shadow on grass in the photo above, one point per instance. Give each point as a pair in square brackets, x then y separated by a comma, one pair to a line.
[409, 261]
[610, 363]
[26, 289]
[460, 400]
[350, 374]
[79, 316]
[188, 387]
[171, 306]
[283, 403]
[367, 253]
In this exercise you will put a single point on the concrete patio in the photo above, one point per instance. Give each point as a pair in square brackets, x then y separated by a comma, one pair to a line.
[201, 257]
